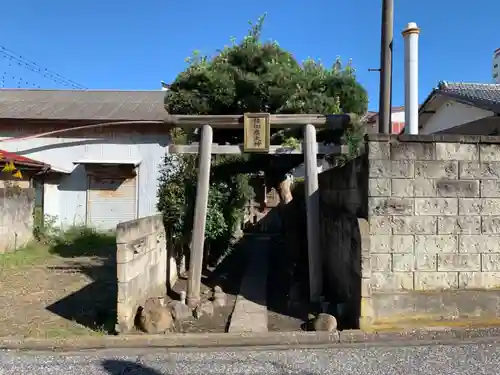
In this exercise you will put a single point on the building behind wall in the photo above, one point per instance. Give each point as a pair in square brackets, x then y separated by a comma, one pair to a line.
[397, 120]
[97, 176]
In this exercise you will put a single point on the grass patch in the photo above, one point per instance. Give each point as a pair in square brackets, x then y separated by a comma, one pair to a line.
[77, 241]
[32, 254]
[80, 241]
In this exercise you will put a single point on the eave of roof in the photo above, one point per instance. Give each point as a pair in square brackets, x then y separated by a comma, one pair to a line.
[484, 96]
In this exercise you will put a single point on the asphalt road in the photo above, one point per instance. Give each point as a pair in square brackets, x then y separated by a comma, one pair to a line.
[454, 359]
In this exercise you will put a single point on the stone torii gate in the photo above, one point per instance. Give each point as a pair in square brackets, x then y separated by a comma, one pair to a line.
[256, 127]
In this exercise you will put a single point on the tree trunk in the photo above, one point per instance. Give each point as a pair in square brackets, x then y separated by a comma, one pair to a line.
[285, 191]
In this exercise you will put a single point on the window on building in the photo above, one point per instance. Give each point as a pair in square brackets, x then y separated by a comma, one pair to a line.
[495, 75]
[495, 66]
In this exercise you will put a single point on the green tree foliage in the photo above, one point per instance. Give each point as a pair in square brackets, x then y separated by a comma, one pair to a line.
[248, 76]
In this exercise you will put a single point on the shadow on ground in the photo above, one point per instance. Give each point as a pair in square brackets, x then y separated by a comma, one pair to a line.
[94, 255]
[288, 272]
[120, 367]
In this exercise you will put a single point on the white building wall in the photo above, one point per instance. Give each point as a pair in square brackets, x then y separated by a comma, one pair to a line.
[397, 121]
[68, 199]
[453, 114]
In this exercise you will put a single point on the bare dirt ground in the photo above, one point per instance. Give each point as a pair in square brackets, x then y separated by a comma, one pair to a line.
[49, 292]
[228, 276]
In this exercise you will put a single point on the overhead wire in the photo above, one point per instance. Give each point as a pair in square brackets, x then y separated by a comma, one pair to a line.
[20, 81]
[36, 68]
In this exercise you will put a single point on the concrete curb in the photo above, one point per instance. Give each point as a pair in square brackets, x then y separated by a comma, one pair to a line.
[267, 339]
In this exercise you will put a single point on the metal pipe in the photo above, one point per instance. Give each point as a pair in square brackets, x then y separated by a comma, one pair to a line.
[386, 67]
[410, 35]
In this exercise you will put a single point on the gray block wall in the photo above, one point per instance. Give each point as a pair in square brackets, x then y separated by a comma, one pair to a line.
[16, 217]
[141, 257]
[434, 225]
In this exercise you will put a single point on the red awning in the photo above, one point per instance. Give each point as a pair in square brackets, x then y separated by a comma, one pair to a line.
[18, 160]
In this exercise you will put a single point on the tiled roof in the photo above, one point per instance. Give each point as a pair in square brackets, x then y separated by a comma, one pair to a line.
[7, 156]
[481, 95]
[104, 105]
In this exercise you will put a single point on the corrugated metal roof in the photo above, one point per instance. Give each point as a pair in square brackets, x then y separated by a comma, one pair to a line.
[108, 105]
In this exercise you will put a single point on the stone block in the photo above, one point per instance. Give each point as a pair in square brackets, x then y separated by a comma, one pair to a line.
[436, 169]
[366, 263]
[435, 244]
[181, 311]
[459, 225]
[455, 188]
[381, 262]
[424, 187]
[425, 262]
[128, 271]
[380, 225]
[391, 169]
[127, 252]
[490, 225]
[479, 243]
[412, 151]
[366, 307]
[366, 287]
[131, 291]
[390, 206]
[379, 150]
[470, 206]
[426, 281]
[479, 280]
[387, 244]
[379, 187]
[436, 206]
[364, 227]
[490, 262]
[392, 281]
[459, 262]
[132, 230]
[489, 152]
[457, 151]
[490, 189]
[414, 225]
[476, 170]
[479, 206]
[403, 262]
[402, 187]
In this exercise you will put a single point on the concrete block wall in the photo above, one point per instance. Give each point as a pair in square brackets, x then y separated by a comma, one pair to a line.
[434, 229]
[141, 257]
[16, 217]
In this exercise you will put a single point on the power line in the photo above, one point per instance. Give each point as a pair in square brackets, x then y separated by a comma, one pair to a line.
[34, 67]
[20, 81]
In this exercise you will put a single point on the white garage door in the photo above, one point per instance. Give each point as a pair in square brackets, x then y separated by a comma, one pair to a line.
[111, 201]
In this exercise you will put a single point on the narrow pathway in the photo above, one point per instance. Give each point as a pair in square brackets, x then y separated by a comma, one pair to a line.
[250, 310]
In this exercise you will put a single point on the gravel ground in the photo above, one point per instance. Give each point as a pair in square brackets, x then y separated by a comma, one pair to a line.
[460, 358]
[60, 298]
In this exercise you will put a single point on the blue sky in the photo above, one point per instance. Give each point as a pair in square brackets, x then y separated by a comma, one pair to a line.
[134, 44]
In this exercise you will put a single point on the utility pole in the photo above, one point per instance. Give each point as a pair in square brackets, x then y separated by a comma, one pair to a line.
[384, 117]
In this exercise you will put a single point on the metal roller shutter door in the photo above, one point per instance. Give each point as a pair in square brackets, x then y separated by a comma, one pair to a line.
[111, 201]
